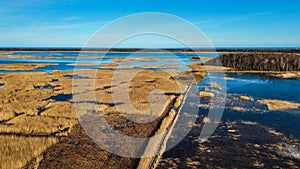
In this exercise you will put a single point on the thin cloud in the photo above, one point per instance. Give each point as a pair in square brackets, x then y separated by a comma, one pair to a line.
[71, 18]
[72, 25]
[230, 33]
[247, 16]
[237, 18]
[204, 22]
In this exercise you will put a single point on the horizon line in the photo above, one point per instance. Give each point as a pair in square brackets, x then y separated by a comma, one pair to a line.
[171, 47]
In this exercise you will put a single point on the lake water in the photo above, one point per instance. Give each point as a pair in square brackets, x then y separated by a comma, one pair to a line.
[64, 60]
[260, 87]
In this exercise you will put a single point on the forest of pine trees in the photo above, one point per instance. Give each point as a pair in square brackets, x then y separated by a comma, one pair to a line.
[267, 61]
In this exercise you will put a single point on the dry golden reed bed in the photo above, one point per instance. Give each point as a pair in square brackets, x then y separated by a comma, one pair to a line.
[32, 120]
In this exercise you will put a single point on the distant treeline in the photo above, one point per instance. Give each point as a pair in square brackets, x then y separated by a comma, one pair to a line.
[286, 50]
[267, 61]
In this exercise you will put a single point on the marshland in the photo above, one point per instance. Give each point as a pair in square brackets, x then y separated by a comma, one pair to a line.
[41, 127]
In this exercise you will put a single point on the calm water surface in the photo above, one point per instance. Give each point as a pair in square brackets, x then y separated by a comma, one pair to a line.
[260, 87]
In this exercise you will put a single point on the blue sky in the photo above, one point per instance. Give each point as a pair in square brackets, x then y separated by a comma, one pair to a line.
[225, 23]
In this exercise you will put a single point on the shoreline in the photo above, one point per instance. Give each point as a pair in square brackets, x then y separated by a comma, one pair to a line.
[152, 162]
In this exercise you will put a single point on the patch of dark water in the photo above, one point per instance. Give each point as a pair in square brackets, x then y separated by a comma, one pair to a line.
[43, 87]
[76, 77]
[62, 97]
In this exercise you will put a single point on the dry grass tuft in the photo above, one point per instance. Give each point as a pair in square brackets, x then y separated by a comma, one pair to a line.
[278, 105]
[23, 66]
[6, 115]
[178, 102]
[216, 86]
[238, 109]
[289, 150]
[16, 151]
[36, 125]
[245, 98]
[206, 95]
[60, 109]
